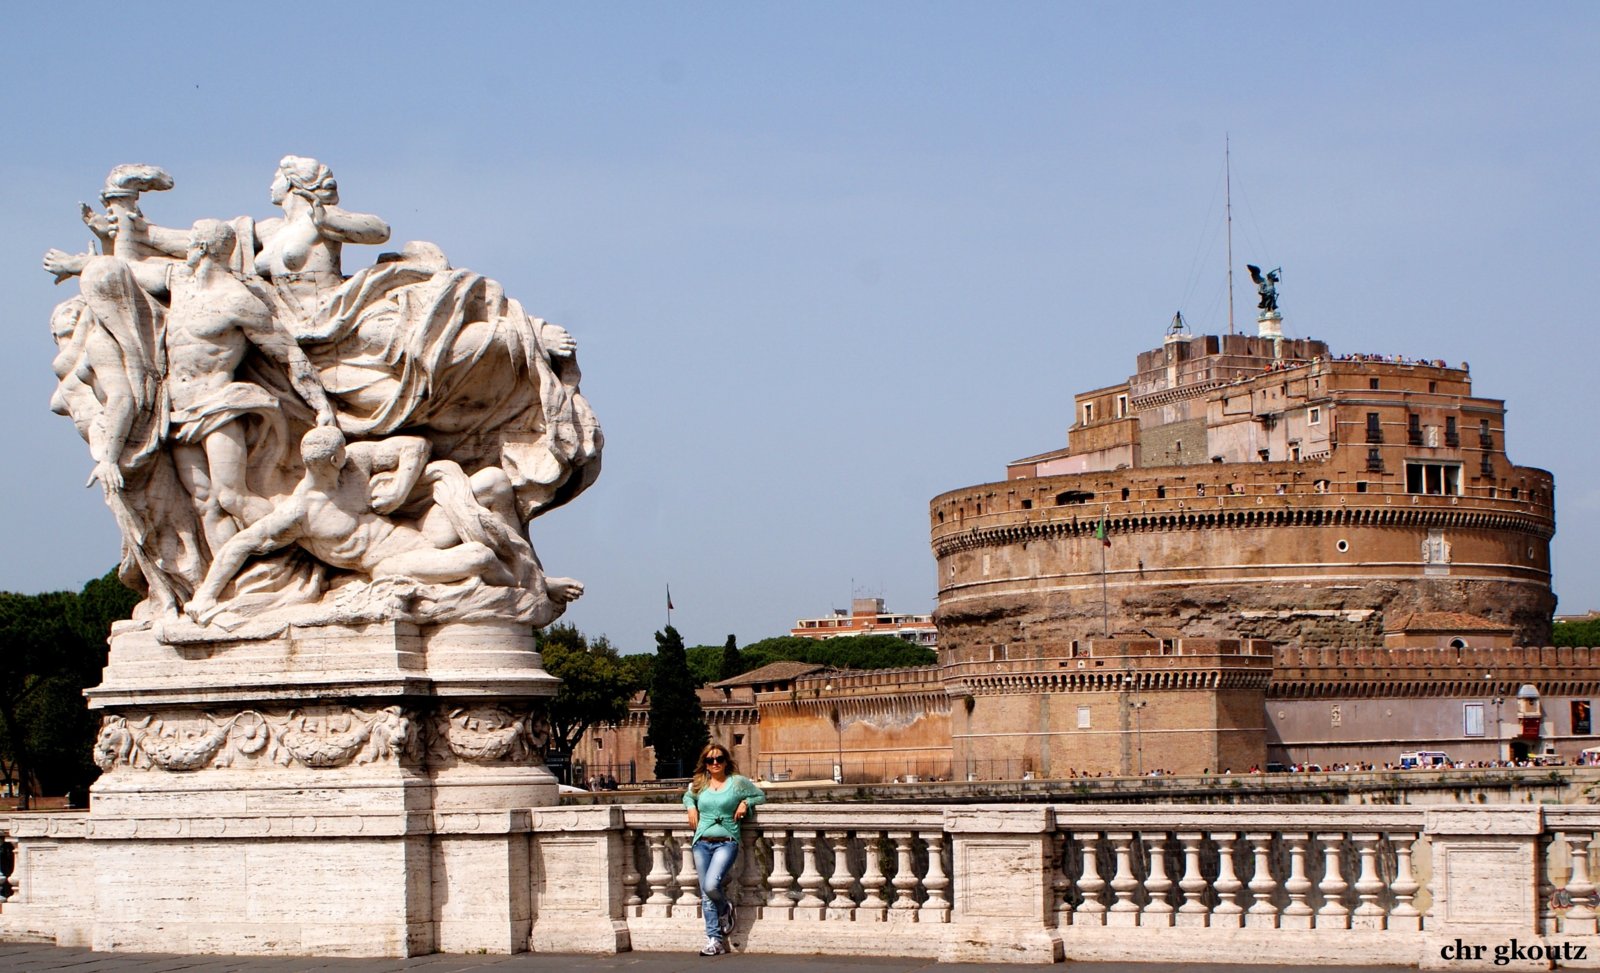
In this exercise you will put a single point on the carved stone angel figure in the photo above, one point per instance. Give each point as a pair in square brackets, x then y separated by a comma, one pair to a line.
[282, 444]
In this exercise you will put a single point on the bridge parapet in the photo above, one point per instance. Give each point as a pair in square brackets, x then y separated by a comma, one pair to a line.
[1002, 883]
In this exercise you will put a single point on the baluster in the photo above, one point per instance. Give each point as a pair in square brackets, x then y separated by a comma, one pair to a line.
[1405, 914]
[1123, 911]
[660, 878]
[1193, 910]
[811, 903]
[874, 907]
[842, 906]
[688, 878]
[1262, 913]
[750, 892]
[630, 871]
[1333, 914]
[1228, 913]
[1157, 911]
[1297, 915]
[1091, 911]
[937, 907]
[1581, 917]
[904, 907]
[780, 903]
[1060, 882]
[1368, 914]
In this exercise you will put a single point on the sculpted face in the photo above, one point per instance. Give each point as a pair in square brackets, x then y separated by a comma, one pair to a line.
[280, 188]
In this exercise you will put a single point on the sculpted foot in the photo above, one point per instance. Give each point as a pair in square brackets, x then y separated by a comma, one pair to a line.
[564, 590]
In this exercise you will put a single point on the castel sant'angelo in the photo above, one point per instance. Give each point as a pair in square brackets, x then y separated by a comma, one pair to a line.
[1251, 550]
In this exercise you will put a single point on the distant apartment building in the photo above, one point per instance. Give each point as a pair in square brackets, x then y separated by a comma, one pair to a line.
[867, 616]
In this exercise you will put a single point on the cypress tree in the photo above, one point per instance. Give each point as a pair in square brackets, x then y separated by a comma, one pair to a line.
[732, 664]
[677, 724]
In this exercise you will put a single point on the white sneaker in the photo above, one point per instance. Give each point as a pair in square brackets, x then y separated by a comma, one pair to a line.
[714, 947]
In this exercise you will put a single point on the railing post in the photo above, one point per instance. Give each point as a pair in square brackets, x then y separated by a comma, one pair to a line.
[1228, 913]
[749, 891]
[1297, 915]
[1484, 877]
[1193, 911]
[1580, 918]
[811, 903]
[1157, 911]
[659, 904]
[1092, 910]
[1263, 913]
[779, 903]
[841, 907]
[936, 882]
[874, 907]
[905, 879]
[688, 879]
[630, 872]
[1123, 911]
[576, 907]
[1368, 913]
[1404, 915]
[1334, 914]
[1002, 911]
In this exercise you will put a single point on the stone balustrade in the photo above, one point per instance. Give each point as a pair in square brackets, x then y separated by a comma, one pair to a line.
[1406, 885]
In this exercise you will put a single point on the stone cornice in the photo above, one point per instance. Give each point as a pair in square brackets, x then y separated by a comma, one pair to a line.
[1024, 527]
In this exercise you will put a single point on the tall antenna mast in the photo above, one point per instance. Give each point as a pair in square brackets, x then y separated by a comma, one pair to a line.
[1227, 168]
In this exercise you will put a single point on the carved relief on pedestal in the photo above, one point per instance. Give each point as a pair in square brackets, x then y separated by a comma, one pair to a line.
[336, 737]
[489, 734]
[325, 737]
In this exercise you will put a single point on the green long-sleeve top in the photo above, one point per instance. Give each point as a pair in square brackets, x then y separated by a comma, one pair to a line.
[718, 806]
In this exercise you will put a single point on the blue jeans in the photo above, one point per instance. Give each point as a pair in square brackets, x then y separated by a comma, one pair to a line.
[713, 860]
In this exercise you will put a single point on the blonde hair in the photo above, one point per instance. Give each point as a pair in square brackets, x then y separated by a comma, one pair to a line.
[700, 775]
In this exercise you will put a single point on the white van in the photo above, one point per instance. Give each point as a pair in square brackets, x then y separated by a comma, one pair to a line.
[1424, 760]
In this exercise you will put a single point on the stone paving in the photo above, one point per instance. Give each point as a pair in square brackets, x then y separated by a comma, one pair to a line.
[32, 958]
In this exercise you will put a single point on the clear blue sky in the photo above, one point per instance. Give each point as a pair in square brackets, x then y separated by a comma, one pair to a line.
[826, 261]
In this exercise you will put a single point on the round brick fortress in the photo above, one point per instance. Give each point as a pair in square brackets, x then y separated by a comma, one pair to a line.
[1319, 502]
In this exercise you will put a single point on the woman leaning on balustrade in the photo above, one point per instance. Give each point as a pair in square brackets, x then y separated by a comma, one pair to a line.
[718, 799]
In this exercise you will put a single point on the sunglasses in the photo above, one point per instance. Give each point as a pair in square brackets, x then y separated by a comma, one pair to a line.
[716, 760]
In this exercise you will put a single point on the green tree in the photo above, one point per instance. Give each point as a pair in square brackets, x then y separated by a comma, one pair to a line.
[705, 662]
[852, 652]
[640, 667]
[732, 661]
[677, 724]
[52, 647]
[595, 686]
[1586, 632]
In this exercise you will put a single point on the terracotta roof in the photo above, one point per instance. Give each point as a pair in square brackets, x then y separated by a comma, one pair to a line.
[772, 672]
[1445, 622]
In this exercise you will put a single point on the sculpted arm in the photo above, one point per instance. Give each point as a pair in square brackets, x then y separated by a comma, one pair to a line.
[109, 432]
[342, 226]
[281, 348]
[277, 530]
[401, 459]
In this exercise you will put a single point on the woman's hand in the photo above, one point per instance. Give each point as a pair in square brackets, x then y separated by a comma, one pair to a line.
[694, 817]
[740, 811]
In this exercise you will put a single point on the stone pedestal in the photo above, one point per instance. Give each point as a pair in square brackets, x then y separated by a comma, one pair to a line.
[358, 791]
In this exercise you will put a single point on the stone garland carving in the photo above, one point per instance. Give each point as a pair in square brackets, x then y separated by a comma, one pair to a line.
[489, 734]
[337, 738]
[280, 443]
[324, 740]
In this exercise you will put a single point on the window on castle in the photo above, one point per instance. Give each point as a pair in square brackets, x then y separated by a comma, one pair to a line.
[1472, 719]
[1314, 416]
[1083, 717]
[1122, 406]
[1088, 413]
[1436, 479]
